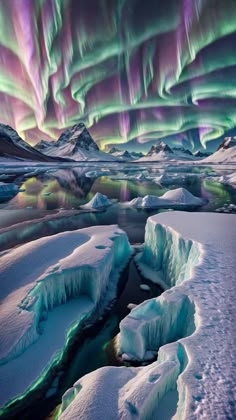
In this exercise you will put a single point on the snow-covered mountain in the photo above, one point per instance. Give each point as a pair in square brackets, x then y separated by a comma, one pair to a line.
[162, 152]
[124, 154]
[200, 154]
[226, 152]
[12, 146]
[75, 143]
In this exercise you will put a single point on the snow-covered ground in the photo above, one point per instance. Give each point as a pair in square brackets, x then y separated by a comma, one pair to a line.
[223, 155]
[47, 287]
[191, 325]
[180, 197]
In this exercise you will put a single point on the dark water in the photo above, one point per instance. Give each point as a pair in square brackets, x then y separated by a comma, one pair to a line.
[52, 193]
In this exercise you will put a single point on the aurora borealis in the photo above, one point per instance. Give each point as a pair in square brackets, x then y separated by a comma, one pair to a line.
[133, 71]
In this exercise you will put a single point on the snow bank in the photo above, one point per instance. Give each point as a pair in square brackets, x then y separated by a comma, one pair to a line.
[179, 197]
[191, 325]
[73, 273]
[98, 201]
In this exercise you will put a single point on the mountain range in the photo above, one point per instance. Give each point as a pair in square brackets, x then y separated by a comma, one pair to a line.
[162, 152]
[76, 144]
[124, 154]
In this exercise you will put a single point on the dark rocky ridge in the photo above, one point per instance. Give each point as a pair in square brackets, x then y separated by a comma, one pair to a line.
[14, 147]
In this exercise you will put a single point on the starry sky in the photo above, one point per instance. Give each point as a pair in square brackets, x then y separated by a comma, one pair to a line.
[134, 71]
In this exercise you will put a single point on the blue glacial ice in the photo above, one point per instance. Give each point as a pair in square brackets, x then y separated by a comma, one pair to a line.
[47, 287]
[190, 325]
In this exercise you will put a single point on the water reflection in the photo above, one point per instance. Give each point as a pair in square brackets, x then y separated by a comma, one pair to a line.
[68, 188]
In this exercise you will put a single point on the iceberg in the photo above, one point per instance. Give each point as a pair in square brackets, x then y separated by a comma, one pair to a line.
[191, 326]
[145, 287]
[149, 201]
[48, 286]
[180, 197]
[99, 201]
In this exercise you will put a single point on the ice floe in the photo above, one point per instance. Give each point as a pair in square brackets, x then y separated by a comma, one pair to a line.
[190, 325]
[48, 286]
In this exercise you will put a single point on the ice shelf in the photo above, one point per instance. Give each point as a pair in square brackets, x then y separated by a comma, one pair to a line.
[191, 325]
[47, 287]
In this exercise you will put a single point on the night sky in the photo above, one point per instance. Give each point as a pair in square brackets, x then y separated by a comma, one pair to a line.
[133, 71]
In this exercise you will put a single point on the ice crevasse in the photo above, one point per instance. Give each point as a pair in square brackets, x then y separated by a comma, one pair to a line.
[190, 325]
[46, 286]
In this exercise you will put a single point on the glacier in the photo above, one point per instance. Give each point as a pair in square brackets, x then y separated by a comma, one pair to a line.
[190, 325]
[48, 286]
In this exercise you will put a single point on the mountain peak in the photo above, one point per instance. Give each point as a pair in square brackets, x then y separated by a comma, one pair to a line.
[227, 143]
[12, 146]
[79, 136]
[159, 147]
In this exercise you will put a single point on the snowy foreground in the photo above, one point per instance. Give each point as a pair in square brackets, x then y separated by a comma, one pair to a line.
[48, 286]
[193, 255]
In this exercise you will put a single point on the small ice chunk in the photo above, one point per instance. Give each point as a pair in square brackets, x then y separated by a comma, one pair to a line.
[145, 287]
[97, 202]
[131, 306]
